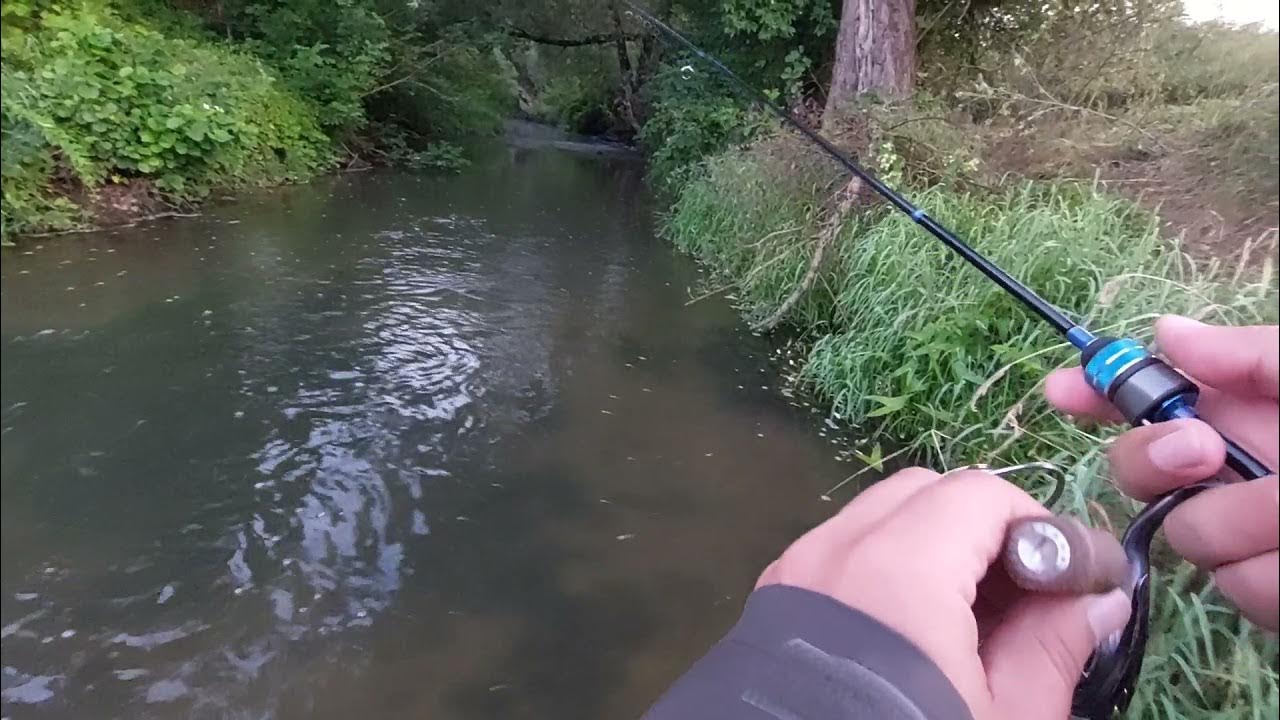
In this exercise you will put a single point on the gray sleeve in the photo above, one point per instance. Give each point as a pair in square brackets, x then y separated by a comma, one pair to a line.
[800, 655]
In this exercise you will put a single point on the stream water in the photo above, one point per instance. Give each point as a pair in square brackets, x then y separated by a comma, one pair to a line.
[384, 446]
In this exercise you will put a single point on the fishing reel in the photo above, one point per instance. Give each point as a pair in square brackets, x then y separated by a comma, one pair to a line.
[1145, 390]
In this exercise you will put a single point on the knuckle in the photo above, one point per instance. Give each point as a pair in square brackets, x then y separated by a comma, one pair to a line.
[912, 474]
[798, 565]
[969, 487]
[1061, 657]
[1190, 536]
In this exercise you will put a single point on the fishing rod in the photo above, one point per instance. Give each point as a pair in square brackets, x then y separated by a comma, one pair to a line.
[1144, 388]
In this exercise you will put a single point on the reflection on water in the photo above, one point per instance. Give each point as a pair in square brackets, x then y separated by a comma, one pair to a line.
[388, 444]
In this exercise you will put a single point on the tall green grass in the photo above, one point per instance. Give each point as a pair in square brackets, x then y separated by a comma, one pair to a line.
[917, 350]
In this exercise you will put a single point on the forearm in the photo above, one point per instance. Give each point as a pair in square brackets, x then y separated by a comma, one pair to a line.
[796, 654]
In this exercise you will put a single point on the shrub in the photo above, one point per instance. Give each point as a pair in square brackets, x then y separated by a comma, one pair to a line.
[111, 100]
[575, 104]
[330, 53]
[25, 168]
[1214, 60]
[694, 114]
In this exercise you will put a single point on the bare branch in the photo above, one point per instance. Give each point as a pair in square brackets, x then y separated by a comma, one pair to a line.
[826, 237]
[600, 39]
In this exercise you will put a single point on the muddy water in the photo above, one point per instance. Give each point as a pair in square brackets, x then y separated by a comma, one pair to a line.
[384, 446]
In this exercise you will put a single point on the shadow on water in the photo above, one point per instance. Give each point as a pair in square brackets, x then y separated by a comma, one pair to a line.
[387, 444]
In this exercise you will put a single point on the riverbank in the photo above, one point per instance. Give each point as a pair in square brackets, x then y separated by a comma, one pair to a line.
[115, 111]
[911, 349]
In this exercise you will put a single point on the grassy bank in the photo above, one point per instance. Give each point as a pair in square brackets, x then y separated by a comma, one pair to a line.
[1122, 164]
[915, 350]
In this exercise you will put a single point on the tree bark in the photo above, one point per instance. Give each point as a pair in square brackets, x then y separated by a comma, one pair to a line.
[626, 72]
[875, 51]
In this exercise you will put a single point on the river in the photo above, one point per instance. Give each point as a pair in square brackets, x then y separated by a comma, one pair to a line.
[385, 446]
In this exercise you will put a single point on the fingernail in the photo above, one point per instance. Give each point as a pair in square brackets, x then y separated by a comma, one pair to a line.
[1107, 614]
[1179, 450]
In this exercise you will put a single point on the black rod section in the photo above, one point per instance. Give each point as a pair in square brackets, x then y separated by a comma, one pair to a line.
[1039, 305]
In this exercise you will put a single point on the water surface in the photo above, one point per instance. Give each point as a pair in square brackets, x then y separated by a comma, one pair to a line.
[385, 445]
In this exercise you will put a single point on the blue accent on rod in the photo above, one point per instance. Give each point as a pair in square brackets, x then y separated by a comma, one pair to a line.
[1079, 337]
[917, 214]
[1112, 360]
[1176, 407]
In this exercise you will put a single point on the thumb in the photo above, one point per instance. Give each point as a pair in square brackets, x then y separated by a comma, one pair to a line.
[1034, 657]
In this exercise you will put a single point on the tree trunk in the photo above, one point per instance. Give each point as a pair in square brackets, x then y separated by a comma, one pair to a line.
[875, 51]
[625, 70]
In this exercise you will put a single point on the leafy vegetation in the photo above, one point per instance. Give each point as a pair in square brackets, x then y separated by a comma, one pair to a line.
[117, 99]
[695, 114]
[177, 102]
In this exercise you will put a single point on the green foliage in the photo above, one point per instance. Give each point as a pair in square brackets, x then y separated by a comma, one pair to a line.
[575, 103]
[329, 52]
[769, 19]
[694, 115]
[461, 91]
[776, 44]
[241, 91]
[25, 167]
[440, 156]
[917, 350]
[115, 100]
[398, 146]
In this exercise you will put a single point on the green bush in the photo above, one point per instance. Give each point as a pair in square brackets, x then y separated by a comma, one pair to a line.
[330, 53]
[919, 352]
[694, 114]
[25, 168]
[575, 104]
[114, 100]
[463, 91]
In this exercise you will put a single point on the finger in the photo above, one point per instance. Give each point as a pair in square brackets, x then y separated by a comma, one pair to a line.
[1067, 390]
[945, 536]
[1251, 422]
[1252, 585]
[997, 593]
[1227, 524]
[1147, 461]
[1240, 360]
[1034, 658]
[809, 557]
[876, 503]
[952, 530]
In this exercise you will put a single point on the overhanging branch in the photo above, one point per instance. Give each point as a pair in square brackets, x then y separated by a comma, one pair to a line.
[600, 39]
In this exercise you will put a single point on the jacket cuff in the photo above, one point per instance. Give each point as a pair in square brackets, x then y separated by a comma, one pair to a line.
[800, 654]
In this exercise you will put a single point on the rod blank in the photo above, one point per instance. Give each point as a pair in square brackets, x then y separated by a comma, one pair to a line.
[1026, 295]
